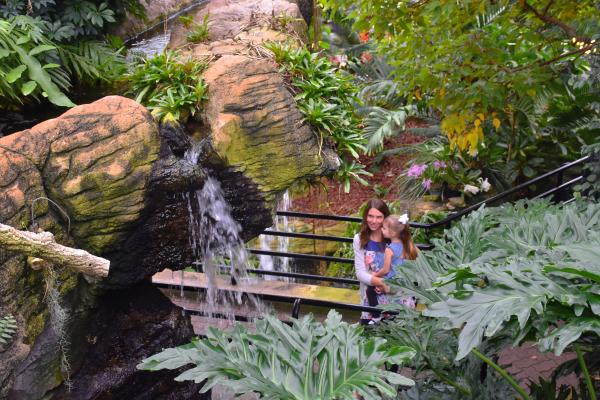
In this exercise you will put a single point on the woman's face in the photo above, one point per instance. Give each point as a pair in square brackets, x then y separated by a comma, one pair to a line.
[375, 219]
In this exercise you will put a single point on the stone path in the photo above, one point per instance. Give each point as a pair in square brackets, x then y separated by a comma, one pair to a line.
[527, 363]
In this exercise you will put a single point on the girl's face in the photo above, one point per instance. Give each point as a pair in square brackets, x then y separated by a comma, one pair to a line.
[386, 231]
[375, 219]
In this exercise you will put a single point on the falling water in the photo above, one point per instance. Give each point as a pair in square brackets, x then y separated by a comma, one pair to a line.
[270, 263]
[215, 239]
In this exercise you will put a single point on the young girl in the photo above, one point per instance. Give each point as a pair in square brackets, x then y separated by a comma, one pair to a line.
[395, 228]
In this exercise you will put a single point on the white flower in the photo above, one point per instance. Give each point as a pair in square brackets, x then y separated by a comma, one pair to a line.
[471, 189]
[485, 185]
[403, 219]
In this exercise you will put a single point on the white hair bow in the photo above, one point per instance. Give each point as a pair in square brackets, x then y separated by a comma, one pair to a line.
[403, 219]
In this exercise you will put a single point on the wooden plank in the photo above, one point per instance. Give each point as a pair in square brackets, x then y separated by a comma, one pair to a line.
[260, 287]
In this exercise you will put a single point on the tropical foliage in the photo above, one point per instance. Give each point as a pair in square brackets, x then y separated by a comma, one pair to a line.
[479, 62]
[8, 327]
[326, 97]
[527, 271]
[34, 66]
[307, 360]
[198, 32]
[168, 84]
[591, 185]
[47, 46]
[441, 377]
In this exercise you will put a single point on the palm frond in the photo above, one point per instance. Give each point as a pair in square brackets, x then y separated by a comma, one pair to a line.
[381, 124]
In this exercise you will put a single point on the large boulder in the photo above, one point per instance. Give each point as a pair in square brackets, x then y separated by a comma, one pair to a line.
[256, 128]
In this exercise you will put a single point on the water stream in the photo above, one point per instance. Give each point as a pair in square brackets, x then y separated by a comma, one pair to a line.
[266, 242]
[215, 239]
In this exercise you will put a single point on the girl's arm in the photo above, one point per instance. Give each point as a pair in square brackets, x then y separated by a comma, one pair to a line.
[360, 268]
[387, 263]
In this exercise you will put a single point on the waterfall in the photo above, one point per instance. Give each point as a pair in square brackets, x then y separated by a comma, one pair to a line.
[215, 240]
[269, 263]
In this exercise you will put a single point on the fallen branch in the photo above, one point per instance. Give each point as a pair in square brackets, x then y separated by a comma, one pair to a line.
[43, 245]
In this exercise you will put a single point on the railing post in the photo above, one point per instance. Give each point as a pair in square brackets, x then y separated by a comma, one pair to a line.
[296, 308]
[559, 181]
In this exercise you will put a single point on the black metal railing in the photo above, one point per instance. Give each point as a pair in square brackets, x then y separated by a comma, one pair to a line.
[559, 191]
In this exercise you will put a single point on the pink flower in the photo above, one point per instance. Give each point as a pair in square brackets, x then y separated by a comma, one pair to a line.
[339, 59]
[426, 184]
[439, 164]
[416, 170]
[366, 57]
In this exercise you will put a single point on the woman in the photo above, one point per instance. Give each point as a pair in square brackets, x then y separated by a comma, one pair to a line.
[369, 246]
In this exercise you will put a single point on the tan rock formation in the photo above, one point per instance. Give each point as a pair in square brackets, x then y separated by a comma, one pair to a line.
[255, 125]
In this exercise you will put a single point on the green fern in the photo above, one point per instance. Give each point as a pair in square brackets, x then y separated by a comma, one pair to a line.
[8, 327]
[32, 66]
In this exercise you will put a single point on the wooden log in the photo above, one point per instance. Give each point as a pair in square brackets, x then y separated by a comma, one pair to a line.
[42, 245]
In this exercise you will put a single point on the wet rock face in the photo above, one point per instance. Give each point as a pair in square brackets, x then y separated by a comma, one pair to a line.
[101, 164]
[128, 326]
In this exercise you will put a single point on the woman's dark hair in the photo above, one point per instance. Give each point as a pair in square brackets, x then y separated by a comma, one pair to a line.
[365, 232]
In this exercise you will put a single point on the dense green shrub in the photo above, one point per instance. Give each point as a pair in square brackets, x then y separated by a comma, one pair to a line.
[66, 21]
[33, 66]
[169, 85]
[527, 271]
[327, 98]
[46, 46]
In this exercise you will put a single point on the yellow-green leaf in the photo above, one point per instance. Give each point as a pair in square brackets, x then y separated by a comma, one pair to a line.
[51, 65]
[15, 73]
[40, 49]
[28, 87]
[4, 52]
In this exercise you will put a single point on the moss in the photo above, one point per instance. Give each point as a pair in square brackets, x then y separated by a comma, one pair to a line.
[35, 326]
[268, 162]
[69, 282]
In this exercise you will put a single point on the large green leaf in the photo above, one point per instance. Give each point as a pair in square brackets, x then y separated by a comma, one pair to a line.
[39, 75]
[308, 360]
[483, 312]
[15, 73]
[568, 333]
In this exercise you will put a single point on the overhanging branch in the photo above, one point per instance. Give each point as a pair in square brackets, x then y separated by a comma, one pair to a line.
[42, 245]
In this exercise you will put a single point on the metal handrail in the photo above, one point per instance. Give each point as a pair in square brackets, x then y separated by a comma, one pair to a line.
[312, 236]
[304, 276]
[341, 239]
[302, 256]
[560, 186]
[294, 300]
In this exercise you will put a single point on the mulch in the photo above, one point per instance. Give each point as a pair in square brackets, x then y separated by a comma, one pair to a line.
[328, 197]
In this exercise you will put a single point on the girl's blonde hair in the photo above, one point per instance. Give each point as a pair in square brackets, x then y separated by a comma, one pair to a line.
[410, 251]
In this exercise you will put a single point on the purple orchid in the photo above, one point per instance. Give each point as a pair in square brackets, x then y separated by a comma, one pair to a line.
[439, 164]
[416, 170]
